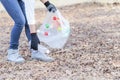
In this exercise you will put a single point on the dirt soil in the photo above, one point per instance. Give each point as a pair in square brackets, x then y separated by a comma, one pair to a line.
[91, 53]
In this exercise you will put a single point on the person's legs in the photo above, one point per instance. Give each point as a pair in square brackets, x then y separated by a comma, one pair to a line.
[14, 10]
[27, 28]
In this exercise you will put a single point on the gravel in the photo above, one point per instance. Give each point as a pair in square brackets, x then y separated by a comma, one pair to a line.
[91, 53]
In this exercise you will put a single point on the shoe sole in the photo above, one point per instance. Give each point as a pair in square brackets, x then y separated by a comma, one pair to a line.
[43, 60]
[16, 61]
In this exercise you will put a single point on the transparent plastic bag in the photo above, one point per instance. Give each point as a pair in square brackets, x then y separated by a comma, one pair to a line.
[55, 30]
[43, 49]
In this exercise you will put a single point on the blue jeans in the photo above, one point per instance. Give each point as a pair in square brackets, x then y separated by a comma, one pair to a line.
[16, 9]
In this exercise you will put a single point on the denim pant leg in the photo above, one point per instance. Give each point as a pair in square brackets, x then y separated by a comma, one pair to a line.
[14, 10]
[27, 29]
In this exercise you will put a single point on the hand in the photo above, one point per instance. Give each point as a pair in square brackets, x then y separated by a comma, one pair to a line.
[50, 7]
[34, 41]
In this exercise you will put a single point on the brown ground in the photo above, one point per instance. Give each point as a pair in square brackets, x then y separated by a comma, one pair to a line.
[92, 51]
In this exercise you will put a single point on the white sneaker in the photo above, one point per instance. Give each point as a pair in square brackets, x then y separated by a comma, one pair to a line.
[41, 48]
[14, 56]
[35, 54]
